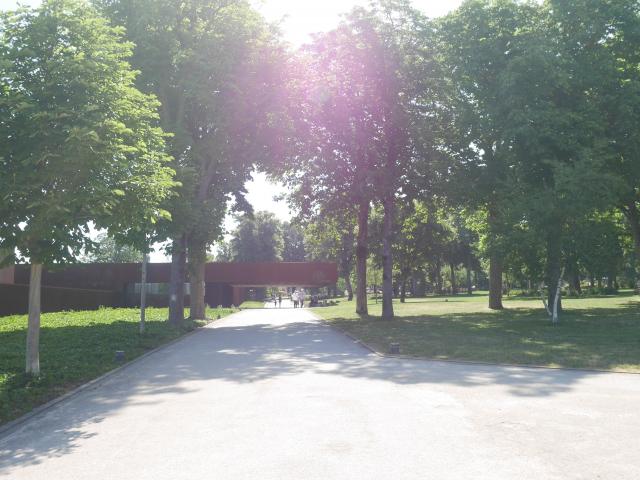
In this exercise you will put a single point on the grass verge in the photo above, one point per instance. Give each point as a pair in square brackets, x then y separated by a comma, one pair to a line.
[594, 333]
[252, 304]
[75, 347]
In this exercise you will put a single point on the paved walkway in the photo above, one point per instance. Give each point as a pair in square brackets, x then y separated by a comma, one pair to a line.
[271, 394]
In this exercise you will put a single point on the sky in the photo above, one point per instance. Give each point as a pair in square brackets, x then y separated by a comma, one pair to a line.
[298, 19]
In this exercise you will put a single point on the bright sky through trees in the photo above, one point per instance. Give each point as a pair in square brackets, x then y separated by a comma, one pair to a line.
[299, 19]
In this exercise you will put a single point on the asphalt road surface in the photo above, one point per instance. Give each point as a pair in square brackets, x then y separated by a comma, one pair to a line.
[273, 394]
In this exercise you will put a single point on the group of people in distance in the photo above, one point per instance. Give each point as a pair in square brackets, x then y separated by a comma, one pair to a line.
[297, 297]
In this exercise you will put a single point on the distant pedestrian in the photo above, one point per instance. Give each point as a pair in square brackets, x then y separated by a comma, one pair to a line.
[275, 301]
[294, 297]
[279, 300]
[301, 298]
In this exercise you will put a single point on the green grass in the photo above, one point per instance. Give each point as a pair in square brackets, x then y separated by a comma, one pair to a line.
[596, 333]
[252, 304]
[75, 347]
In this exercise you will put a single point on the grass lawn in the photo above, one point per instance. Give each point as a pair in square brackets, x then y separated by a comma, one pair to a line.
[252, 304]
[598, 332]
[75, 347]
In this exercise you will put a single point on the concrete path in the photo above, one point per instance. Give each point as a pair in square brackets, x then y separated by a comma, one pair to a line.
[271, 394]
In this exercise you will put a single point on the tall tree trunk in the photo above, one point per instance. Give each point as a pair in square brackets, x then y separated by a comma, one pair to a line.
[556, 298]
[437, 275]
[176, 286]
[348, 287]
[346, 262]
[468, 270]
[143, 293]
[497, 171]
[495, 282]
[420, 290]
[554, 263]
[495, 267]
[454, 287]
[387, 258]
[575, 282]
[197, 264]
[632, 214]
[33, 326]
[362, 252]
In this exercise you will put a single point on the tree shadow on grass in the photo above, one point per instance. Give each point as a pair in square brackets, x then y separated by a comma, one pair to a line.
[243, 354]
[595, 338]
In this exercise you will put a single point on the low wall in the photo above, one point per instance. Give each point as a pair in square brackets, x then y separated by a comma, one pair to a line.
[14, 299]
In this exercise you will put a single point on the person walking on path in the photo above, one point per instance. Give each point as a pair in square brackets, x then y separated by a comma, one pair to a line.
[301, 298]
[279, 300]
[294, 297]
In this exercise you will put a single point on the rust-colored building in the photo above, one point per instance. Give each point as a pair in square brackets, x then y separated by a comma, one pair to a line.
[86, 286]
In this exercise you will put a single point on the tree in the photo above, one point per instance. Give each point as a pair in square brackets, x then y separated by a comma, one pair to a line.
[215, 65]
[556, 133]
[78, 139]
[293, 243]
[224, 252]
[476, 42]
[607, 42]
[359, 90]
[107, 250]
[331, 237]
[257, 238]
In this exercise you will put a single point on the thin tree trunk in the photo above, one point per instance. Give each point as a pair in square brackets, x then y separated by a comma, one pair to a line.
[454, 287]
[33, 326]
[633, 217]
[387, 259]
[554, 260]
[438, 277]
[346, 262]
[349, 287]
[556, 298]
[575, 282]
[361, 258]
[143, 292]
[469, 282]
[197, 265]
[495, 267]
[176, 286]
[420, 283]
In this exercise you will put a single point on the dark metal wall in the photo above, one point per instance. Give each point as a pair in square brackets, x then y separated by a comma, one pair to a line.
[115, 276]
[88, 286]
[14, 299]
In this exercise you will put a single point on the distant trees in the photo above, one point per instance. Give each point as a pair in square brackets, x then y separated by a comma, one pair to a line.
[256, 238]
[79, 142]
[293, 248]
[261, 237]
[332, 238]
[108, 250]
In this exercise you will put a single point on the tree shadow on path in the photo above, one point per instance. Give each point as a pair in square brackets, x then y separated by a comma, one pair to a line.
[244, 354]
